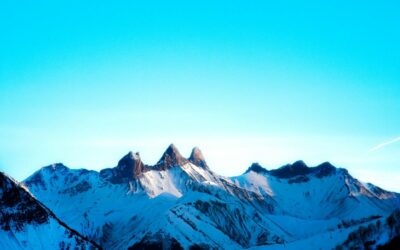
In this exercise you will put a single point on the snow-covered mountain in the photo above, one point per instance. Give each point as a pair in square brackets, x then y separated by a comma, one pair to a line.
[179, 203]
[27, 224]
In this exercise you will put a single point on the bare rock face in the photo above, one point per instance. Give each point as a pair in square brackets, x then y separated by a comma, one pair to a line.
[170, 158]
[197, 158]
[131, 164]
[257, 168]
[128, 168]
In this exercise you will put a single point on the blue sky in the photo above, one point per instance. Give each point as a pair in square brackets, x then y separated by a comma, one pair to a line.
[84, 83]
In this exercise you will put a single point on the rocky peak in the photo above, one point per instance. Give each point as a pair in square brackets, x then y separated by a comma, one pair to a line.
[170, 158]
[291, 170]
[257, 168]
[197, 158]
[299, 165]
[299, 168]
[130, 165]
[324, 169]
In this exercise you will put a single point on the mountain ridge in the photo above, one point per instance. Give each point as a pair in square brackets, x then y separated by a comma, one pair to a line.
[185, 203]
[21, 212]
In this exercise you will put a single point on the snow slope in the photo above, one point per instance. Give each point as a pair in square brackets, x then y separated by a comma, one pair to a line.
[26, 224]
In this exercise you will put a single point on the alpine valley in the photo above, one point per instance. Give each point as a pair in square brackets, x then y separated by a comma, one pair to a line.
[180, 203]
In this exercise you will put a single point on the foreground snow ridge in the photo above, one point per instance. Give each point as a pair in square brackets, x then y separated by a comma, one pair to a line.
[180, 203]
[27, 224]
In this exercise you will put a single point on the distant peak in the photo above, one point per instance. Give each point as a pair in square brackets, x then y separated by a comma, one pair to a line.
[299, 165]
[196, 153]
[55, 167]
[291, 170]
[324, 169]
[300, 168]
[197, 158]
[170, 158]
[133, 156]
[172, 149]
[257, 168]
[130, 165]
[326, 164]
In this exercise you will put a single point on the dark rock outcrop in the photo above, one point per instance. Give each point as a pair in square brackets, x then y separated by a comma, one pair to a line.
[324, 169]
[291, 170]
[299, 168]
[128, 168]
[256, 167]
[197, 158]
[131, 165]
[170, 158]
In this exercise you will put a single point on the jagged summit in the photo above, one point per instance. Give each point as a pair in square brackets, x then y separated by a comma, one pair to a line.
[256, 167]
[291, 170]
[136, 206]
[129, 167]
[299, 168]
[170, 158]
[197, 158]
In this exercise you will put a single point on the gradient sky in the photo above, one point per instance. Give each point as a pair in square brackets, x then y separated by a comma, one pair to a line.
[84, 82]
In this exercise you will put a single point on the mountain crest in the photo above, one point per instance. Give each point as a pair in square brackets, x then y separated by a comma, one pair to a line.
[131, 165]
[170, 158]
[291, 170]
[299, 165]
[324, 169]
[22, 213]
[129, 168]
[197, 158]
[55, 167]
[300, 168]
[257, 168]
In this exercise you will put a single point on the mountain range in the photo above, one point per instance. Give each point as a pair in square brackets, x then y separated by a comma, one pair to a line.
[180, 203]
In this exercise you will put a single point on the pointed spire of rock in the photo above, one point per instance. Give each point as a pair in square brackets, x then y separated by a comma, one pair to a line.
[128, 168]
[130, 165]
[197, 158]
[170, 158]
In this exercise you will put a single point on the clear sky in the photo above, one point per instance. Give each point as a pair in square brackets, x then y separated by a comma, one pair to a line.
[84, 82]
